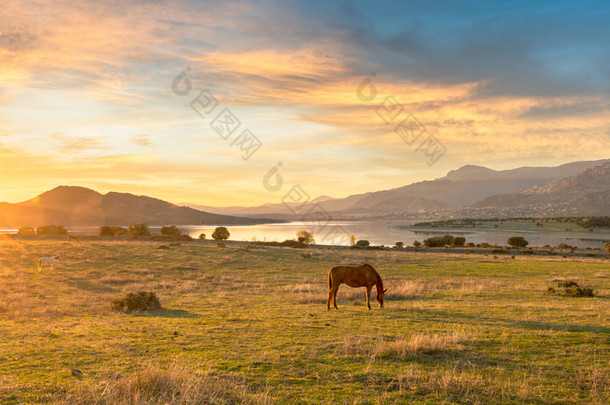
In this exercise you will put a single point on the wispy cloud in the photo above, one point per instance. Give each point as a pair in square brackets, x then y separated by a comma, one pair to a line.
[499, 83]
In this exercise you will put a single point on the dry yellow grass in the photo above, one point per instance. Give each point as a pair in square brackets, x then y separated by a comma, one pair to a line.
[175, 384]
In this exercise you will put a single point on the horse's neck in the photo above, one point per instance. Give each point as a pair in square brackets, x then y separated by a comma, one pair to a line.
[379, 284]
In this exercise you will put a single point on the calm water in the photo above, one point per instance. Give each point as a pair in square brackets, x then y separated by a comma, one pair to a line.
[380, 233]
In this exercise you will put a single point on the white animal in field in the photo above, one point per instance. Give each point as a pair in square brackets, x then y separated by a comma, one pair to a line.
[43, 261]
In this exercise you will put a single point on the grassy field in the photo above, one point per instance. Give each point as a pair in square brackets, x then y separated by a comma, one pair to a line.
[252, 327]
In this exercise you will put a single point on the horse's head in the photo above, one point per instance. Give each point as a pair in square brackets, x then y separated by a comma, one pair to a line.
[380, 297]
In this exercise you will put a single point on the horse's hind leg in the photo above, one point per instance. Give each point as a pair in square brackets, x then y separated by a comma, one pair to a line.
[332, 297]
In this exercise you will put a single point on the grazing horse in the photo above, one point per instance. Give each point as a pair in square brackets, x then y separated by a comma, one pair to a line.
[47, 260]
[74, 237]
[354, 276]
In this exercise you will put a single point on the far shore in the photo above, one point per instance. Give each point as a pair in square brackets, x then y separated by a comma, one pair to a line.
[493, 251]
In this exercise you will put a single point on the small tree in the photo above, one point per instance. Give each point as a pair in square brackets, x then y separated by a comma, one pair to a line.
[221, 233]
[51, 230]
[517, 241]
[202, 236]
[399, 245]
[416, 243]
[305, 237]
[608, 247]
[26, 230]
[139, 230]
[352, 240]
[171, 231]
[363, 243]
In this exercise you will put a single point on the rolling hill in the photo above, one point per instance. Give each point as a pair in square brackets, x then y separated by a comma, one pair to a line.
[79, 206]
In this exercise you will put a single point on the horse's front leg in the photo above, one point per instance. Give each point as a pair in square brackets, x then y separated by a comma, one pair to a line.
[368, 297]
[335, 290]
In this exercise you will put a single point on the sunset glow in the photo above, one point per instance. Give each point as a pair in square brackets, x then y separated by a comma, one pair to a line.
[86, 95]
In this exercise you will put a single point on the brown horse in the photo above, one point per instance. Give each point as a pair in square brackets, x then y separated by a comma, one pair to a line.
[354, 276]
[74, 237]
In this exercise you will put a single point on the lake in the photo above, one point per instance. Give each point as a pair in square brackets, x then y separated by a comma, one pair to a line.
[384, 233]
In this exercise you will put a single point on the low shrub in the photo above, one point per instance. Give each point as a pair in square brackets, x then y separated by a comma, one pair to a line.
[517, 241]
[171, 231]
[137, 230]
[458, 241]
[26, 230]
[113, 231]
[161, 238]
[362, 244]
[136, 302]
[568, 288]
[51, 230]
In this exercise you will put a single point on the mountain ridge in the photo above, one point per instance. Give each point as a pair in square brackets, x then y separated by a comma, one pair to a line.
[459, 188]
[80, 206]
[585, 193]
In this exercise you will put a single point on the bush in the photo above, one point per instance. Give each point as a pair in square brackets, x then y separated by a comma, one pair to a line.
[305, 237]
[399, 245]
[51, 230]
[458, 241]
[185, 238]
[221, 233]
[363, 243]
[439, 241]
[139, 230]
[608, 247]
[517, 241]
[26, 230]
[470, 244]
[171, 231]
[137, 301]
[113, 231]
[570, 289]
[291, 243]
[202, 236]
[416, 243]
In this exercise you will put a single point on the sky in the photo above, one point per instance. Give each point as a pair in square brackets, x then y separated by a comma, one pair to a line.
[237, 102]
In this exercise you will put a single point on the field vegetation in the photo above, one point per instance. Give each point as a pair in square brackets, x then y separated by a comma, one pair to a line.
[248, 324]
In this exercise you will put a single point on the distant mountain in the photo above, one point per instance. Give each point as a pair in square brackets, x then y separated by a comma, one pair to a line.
[586, 193]
[79, 206]
[459, 188]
